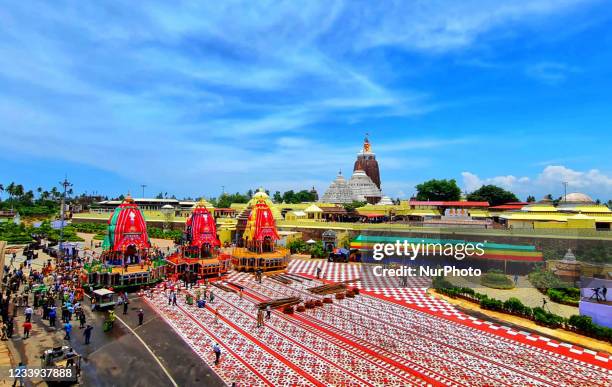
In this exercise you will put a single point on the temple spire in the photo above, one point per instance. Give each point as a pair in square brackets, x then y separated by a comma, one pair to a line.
[367, 148]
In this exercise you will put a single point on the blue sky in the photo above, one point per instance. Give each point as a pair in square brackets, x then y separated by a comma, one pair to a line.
[189, 98]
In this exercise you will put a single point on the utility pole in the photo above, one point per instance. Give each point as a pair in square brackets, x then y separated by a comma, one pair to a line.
[64, 184]
[143, 187]
[222, 190]
[565, 191]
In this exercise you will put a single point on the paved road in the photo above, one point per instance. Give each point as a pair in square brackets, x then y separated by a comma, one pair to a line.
[119, 358]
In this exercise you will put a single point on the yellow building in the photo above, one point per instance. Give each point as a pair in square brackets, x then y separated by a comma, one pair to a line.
[313, 212]
[296, 215]
[575, 211]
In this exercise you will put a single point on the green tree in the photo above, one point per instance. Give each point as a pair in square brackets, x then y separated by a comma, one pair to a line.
[19, 190]
[493, 194]
[530, 199]
[226, 200]
[442, 189]
[277, 198]
[11, 190]
[350, 207]
[289, 197]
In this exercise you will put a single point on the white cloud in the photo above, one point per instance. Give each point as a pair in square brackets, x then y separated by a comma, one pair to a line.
[549, 72]
[438, 26]
[592, 182]
[224, 91]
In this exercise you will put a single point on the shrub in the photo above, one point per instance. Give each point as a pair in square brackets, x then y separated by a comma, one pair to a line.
[514, 305]
[492, 304]
[297, 246]
[496, 280]
[581, 323]
[585, 325]
[569, 296]
[440, 283]
[545, 279]
[548, 319]
[467, 291]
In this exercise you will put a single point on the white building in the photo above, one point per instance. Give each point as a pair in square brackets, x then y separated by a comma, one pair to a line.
[359, 188]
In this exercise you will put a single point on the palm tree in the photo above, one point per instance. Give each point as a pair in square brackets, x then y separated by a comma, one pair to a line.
[1, 191]
[19, 190]
[11, 190]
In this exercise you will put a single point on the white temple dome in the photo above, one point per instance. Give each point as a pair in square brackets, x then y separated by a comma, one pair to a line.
[363, 187]
[576, 197]
[338, 191]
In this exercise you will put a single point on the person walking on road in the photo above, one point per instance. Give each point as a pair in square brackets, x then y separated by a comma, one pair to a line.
[217, 351]
[21, 371]
[27, 327]
[3, 328]
[125, 306]
[52, 316]
[28, 313]
[260, 318]
[82, 319]
[140, 317]
[67, 329]
[87, 333]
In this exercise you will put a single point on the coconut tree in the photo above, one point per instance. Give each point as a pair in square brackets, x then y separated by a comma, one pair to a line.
[11, 190]
[19, 191]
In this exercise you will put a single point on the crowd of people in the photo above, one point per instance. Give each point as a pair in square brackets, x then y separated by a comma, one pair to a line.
[52, 291]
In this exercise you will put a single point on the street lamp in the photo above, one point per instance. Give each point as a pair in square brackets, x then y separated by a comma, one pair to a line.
[64, 184]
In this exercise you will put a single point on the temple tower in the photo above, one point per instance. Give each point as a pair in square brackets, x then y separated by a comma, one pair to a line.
[366, 161]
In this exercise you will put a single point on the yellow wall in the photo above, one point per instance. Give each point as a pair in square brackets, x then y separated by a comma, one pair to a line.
[580, 223]
[225, 236]
[292, 216]
[570, 224]
[521, 223]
